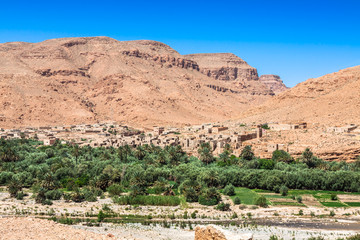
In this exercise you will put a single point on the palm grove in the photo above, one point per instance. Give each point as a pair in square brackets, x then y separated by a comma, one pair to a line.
[159, 176]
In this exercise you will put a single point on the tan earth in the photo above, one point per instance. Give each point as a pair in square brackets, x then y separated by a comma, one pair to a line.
[141, 83]
[331, 100]
[12, 228]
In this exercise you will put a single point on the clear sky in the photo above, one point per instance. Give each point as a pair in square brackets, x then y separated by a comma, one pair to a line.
[296, 39]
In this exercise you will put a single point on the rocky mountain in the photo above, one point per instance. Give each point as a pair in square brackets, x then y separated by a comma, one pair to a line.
[273, 82]
[224, 66]
[331, 100]
[143, 83]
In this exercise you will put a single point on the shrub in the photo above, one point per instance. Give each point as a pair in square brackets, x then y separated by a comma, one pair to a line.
[47, 202]
[299, 199]
[334, 197]
[237, 201]
[100, 216]
[136, 190]
[40, 196]
[284, 190]
[301, 212]
[191, 195]
[193, 214]
[14, 187]
[209, 197]
[261, 201]
[223, 207]
[114, 189]
[53, 194]
[332, 213]
[229, 190]
[77, 196]
[354, 237]
[20, 195]
[90, 195]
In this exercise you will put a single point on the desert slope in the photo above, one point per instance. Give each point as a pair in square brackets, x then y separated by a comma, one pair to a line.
[85, 80]
[332, 99]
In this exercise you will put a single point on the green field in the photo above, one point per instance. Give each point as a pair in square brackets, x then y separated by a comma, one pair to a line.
[333, 204]
[272, 196]
[246, 195]
[288, 204]
[314, 192]
[353, 204]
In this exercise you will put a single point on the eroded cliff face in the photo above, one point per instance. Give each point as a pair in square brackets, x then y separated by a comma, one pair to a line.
[273, 82]
[141, 83]
[224, 66]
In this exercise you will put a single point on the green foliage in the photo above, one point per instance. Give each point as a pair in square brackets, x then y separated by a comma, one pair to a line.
[100, 216]
[114, 189]
[247, 153]
[261, 201]
[299, 199]
[237, 201]
[266, 164]
[14, 187]
[282, 156]
[147, 200]
[223, 207]
[87, 172]
[229, 190]
[284, 190]
[332, 213]
[53, 194]
[209, 197]
[334, 197]
[205, 153]
[301, 212]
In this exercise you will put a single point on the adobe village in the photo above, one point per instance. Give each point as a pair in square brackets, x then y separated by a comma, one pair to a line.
[107, 139]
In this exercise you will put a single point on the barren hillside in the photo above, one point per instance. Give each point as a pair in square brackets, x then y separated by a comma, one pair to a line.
[84, 80]
[332, 99]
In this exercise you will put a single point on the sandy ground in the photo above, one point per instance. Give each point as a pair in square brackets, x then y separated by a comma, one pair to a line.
[12, 228]
[30, 228]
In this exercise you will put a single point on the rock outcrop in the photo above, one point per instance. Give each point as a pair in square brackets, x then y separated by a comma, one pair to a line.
[211, 233]
[208, 233]
[224, 66]
[273, 82]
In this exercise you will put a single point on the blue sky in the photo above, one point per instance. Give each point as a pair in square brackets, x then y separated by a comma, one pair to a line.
[294, 39]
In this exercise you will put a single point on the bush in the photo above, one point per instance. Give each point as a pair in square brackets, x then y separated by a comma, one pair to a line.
[229, 190]
[332, 213]
[77, 196]
[301, 212]
[237, 201]
[354, 237]
[261, 201]
[100, 216]
[14, 187]
[114, 189]
[53, 194]
[40, 196]
[147, 200]
[191, 195]
[20, 195]
[299, 199]
[90, 195]
[334, 197]
[47, 202]
[223, 207]
[209, 197]
[284, 190]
